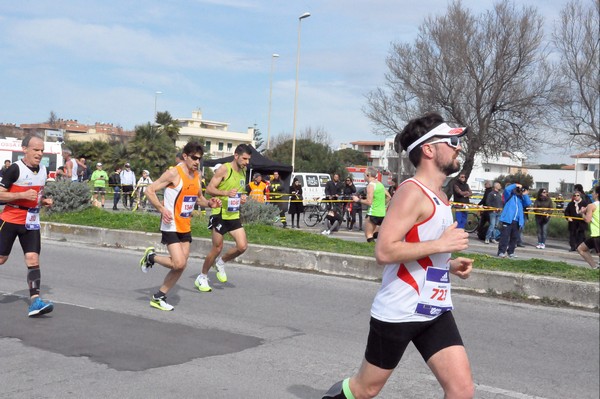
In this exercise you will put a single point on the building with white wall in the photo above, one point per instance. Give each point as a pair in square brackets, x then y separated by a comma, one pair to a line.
[219, 142]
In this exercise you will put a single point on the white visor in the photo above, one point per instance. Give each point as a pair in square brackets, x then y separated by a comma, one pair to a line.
[442, 130]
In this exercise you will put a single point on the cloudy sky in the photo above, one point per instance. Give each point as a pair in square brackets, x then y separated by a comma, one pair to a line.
[103, 61]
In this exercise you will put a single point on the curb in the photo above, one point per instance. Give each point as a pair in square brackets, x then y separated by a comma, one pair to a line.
[581, 294]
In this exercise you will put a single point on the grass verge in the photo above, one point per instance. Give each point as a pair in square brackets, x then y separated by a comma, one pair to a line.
[288, 238]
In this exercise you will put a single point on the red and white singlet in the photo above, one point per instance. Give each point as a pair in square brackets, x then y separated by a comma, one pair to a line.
[418, 290]
[17, 211]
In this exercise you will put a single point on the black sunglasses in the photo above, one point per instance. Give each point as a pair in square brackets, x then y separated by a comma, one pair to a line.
[195, 158]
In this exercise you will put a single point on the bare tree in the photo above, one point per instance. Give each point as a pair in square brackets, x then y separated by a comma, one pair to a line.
[53, 119]
[486, 72]
[577, 88]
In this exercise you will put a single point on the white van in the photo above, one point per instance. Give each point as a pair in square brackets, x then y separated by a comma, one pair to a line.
[313, 185]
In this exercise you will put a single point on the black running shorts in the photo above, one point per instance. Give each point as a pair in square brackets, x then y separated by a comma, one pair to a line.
[173, 237]
[223, 226]
[30, 239]
[388, 341]
[593, 243]
[376, 220]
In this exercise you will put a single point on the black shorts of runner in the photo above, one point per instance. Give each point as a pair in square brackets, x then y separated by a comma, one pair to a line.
[30, 239]
[173, 237]
[388, 341]
[100, 190]
[593, 243]
[376, 220]
[223, 226]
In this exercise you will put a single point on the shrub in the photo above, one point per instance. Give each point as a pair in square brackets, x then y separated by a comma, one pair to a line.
[67, 196]
[258, 212]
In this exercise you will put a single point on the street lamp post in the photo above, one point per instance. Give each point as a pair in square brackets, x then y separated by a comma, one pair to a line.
[156, 94]
[273, 57]
[305, 15]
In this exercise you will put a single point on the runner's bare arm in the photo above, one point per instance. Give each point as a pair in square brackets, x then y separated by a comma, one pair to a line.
[212, 188]
[171, 176]
[203, 201]
[589, 211]
[408, 207]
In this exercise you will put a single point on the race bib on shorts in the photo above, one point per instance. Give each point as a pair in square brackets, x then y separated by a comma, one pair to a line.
[187, 206]
[435, 296]
[32, 222]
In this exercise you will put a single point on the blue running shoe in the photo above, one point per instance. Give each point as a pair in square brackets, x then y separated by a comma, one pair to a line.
[39, 307]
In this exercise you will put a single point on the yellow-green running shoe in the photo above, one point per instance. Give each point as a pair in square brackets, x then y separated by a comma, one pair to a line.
[202, 284]
[145, 263]
[160, 303]
[221, 275]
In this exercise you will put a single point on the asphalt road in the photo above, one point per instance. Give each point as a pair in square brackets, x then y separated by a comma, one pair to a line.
[265, 334]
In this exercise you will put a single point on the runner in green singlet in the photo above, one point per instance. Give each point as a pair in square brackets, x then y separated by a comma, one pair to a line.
[377, 198]
[228, 184]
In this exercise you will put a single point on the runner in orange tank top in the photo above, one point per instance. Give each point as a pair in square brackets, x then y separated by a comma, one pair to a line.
[182, 191]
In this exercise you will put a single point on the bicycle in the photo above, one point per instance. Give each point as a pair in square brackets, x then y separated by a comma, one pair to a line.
[314, 214]
[473, 219]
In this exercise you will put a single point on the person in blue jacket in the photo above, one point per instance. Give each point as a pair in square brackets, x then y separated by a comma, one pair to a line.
[512, 218]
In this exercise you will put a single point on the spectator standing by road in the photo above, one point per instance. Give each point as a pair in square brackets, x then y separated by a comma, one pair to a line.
[257, 188]
[21, 188]
[99, 181]
[333, 189]
[83, 170]
[114, 181]
[348, 190]
[296, 202]
[560, 201]
[516, 199]
[392, 189]
[5, 167]
[494, 202]
[592, 216]
[484, 220]
[277, 195]
[543, 209]
[140, 188]
[462, 193]
[357, 211]
[416, 243]
[127, 183]
[577, 226]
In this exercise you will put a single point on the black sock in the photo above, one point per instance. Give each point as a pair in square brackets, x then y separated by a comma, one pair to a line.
[151, 257]
[370, 239]
[34, 277]
[159, 294]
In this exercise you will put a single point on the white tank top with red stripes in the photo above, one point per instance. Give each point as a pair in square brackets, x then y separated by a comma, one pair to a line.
[418, 290]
